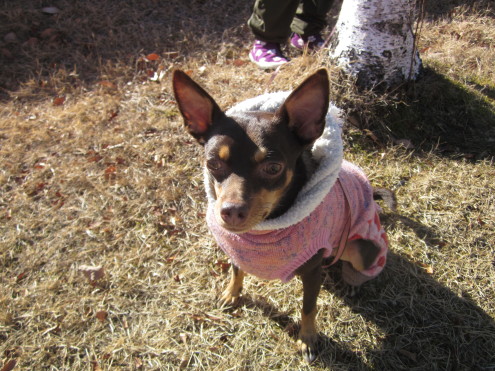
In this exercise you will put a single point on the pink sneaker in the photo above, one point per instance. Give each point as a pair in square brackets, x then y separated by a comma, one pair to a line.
[312, 42]
[267, 55]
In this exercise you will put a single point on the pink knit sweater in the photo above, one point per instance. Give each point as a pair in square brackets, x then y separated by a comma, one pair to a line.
[276, 254]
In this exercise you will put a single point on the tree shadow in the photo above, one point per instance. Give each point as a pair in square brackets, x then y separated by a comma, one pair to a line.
[437, 113]
[442, 9]
[82, 41]
[426, 326]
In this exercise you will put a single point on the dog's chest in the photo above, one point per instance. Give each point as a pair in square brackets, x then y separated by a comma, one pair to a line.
[276, 254]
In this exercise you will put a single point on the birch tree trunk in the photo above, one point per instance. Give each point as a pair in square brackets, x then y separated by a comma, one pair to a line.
[374, 41]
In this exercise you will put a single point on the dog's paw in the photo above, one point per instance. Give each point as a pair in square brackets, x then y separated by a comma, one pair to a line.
[307, 345]
[229, 298]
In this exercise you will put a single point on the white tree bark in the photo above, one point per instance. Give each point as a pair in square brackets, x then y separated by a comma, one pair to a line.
[374, 41]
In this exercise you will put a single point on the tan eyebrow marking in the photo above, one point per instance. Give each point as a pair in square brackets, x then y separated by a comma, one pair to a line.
[224, 152]
[260, 154]
[289, 176]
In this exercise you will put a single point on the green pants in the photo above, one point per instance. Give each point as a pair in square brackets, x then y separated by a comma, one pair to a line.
[273, 20]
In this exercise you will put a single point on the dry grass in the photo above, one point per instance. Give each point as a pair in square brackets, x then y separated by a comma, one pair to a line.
[108, 178]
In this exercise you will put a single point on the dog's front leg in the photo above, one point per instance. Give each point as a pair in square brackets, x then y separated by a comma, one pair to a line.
[310, 273]
[234, 288]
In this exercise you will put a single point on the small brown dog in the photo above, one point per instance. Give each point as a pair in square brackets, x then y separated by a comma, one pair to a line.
[260, 173]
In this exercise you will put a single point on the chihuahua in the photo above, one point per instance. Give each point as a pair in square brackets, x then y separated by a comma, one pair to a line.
[258, 167]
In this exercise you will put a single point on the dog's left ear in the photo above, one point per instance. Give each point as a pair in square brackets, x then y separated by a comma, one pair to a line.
[197, 107]
[305, 109]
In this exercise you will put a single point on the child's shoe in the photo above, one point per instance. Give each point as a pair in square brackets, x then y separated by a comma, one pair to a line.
[267, 55]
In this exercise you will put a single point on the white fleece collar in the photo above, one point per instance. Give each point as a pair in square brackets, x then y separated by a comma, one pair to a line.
[327, 152]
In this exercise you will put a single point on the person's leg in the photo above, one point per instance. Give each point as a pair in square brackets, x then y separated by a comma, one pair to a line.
[270, 24]
[271, 20]
[309, 21]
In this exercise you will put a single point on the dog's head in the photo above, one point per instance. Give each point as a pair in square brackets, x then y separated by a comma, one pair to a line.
[254, 159]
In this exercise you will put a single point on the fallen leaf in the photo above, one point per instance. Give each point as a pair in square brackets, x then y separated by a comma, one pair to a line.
[31, 42]
[153, 57]
[239, 62]
[11, 37]
[50, 10]
[223, 265]
[427, 268]
[101, 315]
[107, 84]
[48, 33]
[110, 172]
[20, 276]
[95, 158]
[113, 115]
[9, 366]
[58, 101]
[92, 273]
[39, 187]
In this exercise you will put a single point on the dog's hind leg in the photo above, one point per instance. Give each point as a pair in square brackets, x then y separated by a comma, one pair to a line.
[358, 256]
[234, 288]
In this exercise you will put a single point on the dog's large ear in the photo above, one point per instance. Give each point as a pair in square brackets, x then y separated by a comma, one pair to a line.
[305, 109]
[197, 107]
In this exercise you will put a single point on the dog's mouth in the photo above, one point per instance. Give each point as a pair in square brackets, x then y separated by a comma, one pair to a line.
[241, 225]
[236, 229]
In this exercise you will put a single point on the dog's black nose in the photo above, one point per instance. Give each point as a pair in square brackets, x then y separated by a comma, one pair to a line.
[234, 214]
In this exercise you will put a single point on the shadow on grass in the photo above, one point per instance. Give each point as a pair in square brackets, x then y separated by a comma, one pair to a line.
[438, 113]
[81, 42]
[329, 351]
[441, 9]
[426, 326]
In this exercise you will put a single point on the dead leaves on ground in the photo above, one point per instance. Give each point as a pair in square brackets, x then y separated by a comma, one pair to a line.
[151, 68]
[9, 365]
[92, 273]
[58, 101]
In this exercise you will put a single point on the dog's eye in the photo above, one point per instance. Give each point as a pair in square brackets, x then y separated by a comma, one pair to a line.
[272, 168]
[214, 165]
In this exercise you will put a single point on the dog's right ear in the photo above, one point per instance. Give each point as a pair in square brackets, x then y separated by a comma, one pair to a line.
[197, 107]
